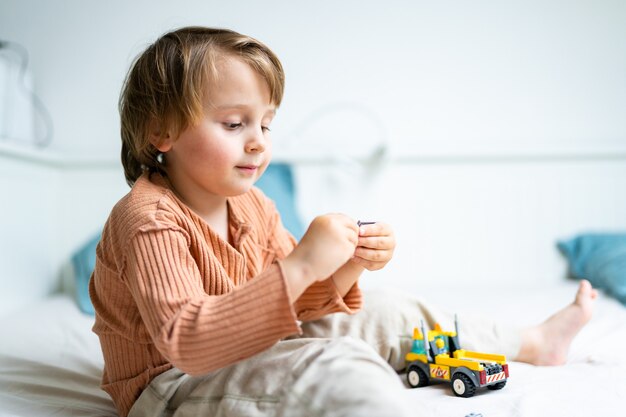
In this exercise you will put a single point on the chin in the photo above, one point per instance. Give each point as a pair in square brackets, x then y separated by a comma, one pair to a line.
[235, 191]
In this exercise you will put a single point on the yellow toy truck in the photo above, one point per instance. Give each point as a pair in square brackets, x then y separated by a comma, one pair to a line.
[442, 359]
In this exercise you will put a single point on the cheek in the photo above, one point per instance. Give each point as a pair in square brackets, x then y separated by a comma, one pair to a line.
[208, 151]
[267, 153]
[267, 158]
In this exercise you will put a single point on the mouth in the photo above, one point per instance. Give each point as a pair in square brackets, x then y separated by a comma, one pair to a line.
[249, 169]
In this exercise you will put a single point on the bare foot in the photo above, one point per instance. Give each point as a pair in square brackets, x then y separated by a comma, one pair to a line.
[549, 342]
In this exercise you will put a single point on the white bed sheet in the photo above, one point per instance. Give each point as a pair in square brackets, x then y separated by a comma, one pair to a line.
[50, 363]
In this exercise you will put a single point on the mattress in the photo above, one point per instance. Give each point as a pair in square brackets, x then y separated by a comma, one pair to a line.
[51, 363]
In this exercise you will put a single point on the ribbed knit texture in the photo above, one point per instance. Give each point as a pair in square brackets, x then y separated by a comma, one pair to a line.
[168, 291]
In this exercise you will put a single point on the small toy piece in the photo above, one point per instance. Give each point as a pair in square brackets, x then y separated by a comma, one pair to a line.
[465, 370]
[360, 223]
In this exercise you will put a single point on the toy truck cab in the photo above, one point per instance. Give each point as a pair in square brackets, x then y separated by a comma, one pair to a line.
[439, 357]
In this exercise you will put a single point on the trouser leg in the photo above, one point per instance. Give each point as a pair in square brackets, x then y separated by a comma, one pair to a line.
[302, 377]
[387, 319]
[346, 378]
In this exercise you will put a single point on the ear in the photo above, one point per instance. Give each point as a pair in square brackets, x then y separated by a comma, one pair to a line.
[162, 142]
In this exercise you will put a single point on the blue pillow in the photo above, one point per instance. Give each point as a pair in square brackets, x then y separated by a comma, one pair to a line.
[84, 262]
[599, 258]
[277, 183]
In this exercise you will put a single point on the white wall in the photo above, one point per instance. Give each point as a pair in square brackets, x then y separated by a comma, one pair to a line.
[474, 223]
[27, 218]
[50, 206]
[440, 76]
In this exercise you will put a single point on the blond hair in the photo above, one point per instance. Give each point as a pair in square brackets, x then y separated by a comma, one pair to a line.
[168, 82]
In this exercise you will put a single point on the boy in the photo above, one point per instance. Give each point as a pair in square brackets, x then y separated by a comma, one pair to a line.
[197, 284]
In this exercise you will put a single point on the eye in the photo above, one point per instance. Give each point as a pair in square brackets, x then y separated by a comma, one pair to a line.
[266, 128]
[232, 126]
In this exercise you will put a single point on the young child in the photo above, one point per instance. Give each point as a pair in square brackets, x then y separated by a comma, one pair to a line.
[205, 304]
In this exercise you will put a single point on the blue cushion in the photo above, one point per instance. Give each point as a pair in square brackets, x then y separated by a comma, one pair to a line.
[599, 258]
[84, 262]
[277, 183]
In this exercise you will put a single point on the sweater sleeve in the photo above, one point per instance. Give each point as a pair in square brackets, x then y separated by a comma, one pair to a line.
[195, 331]
[322, 297]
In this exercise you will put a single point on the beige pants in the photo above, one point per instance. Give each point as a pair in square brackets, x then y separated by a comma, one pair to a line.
[341, 366]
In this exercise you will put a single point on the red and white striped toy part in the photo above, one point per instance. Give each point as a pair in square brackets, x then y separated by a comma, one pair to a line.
[496, 377]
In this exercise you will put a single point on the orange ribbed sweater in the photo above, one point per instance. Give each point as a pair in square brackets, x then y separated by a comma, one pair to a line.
[168, 291]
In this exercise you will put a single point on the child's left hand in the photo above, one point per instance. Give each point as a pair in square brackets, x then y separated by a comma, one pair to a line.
[376, 245]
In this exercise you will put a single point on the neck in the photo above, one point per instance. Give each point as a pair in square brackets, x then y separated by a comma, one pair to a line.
[218, 222]
[212, 208]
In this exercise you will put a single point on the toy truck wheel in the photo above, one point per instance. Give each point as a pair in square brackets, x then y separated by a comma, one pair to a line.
[463, 386]
[416, 377]
[497, 386]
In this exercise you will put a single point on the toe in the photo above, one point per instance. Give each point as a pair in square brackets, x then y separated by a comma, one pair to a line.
[584, 286]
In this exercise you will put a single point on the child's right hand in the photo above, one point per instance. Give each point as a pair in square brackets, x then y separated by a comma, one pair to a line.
[328, 243]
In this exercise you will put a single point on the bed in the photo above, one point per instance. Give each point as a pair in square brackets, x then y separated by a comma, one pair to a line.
[51, 363]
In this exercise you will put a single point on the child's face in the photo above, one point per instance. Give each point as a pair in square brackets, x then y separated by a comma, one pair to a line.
[228, 150]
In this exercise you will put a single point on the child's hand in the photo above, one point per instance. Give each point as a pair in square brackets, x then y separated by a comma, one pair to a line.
[328, 243]
[376, 245]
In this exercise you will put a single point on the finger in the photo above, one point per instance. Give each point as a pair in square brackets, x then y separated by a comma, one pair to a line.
[347, 221]
[375, 229]
[351, 234]
[353, 227]
[369, 265]
[352, 237]
[373, 255]
[376, 242]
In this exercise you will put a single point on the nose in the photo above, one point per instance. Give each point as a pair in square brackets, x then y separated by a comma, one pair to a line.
[256, 142]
